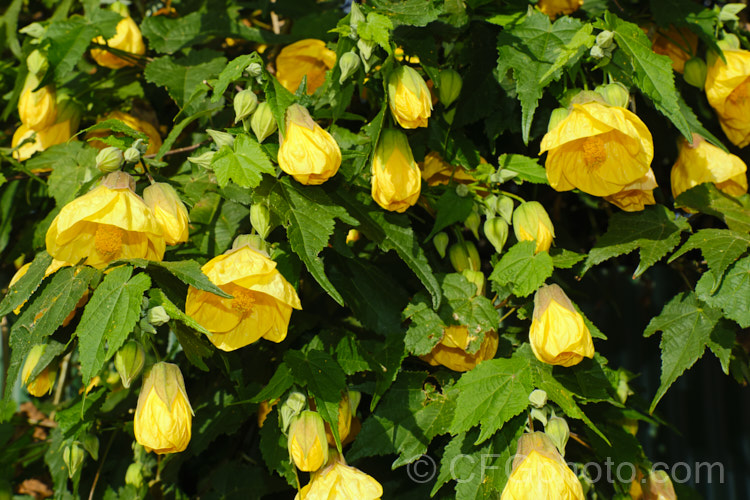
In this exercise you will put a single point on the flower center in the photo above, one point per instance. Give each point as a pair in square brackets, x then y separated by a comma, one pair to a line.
[243, 301]
[108, 239]
[594, 153]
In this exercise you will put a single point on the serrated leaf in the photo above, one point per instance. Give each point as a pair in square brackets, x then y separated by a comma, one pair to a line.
[187, 271]
[195, 347]
[377, 28]
[158, 298]
[525, 168]
[573, 50]
[72, 164]
[109, 317]
[654, 232]
[565, 259]
[450, 208]
[409, 12]
[705, 198]
[521, 268]
[244, 163]
[231, 72]
[351, 356]
[280, 382]
[425, 327]
[389, 357]
[273, 446]
[184, 77]
[20, 291]
[167, 35]
[731, 296]
[465, 307]
[720, 247]
[686, 325]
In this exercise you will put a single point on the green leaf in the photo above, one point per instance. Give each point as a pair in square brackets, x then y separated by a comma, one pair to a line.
[450, 208]
[376, 29]
[183, 77]
[109, 317]
[167, 35]
[463, 306]
[232, 72]
[491, 394]
[159, 299]
[389, 359]
[195, 347]
[531, 49]
[20, 291]
[525, 168]
[720, 247]
[565, 259]
[352, 357]
[72, 163]
[244, 163]
[273, 446]
[705, 198]
[79, 412]
[281, 381]
[521, 268]
[654, 232]
[425, 327]
[686, 325]
[731, 296]
[187, 271]
[572, 52]
[409, 12]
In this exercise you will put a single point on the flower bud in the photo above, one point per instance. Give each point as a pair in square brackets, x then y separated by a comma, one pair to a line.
[44, 382]
[396, 179]
[349, 64]
[496, 231]
[558, 431]
[658, 487]
[355, 16]
[307, 441]
[129, 361]
[538, 398]
[365, 50]
[245, 103]
[531, 223]
[73, 456]
[131, 155]
[254, 70]
[169, 211]
[730, 41]
[557, 115]
[37, 108]
[472, 223]
[157, 316]
[134, 475]
[260, 218]
[91, 444]
[119, 180]
[605, 39]
[450, 86]
[307, 152]
[615, 94]
[441, 241]
[109, 159]
[140, 146]
[409, 98]
[475, 277]
[263, 122]
[251, 240]
[464, 256]
[695, 72]
[221, 138]
[596, 52]
[203, 160]
[354, 398]
[293, 406]
[352, 236]
[37, 63]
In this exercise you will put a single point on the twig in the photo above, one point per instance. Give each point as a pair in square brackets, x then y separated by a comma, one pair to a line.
[101, 464]
[61, 382]
[186, 149]
[4, 333]
[275, 21]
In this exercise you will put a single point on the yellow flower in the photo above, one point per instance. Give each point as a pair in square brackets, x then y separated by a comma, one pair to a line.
[676, 43]
[409, 98]
[128, 39]
[531, 223]
[65, 126]
[658, 486]
[108, 223]
[558, 335]
[309, 58]
[635, 196]
[264, 409]
[307, 152]
[554, 8]
[344, 422]
[338, 481]
[37, 109]
[598, 149]
[307, 442]
[45, 381]
[154, 139]
[539, 472]
[396, 181]
[169, 211]
[451, 351]
[163, 418]
[703, 162]
[262, 303]
[728, 92]
[436, 171]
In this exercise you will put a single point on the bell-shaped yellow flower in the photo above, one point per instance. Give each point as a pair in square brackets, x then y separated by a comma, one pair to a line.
[262, 300]
[154, 139]
[532, 223]
[127, 39]
[679, 44]
[307, 152]
[598, 149]
[409, 98]
[344, 422]
[701, 162]
[554, 8]
[163, 418]
[436, 171]
[396, 179]
[451, 351]
[539, 472]
[634, 197]
[558, 335]
[338, 481]
[44, 382]
[108, 223]
[309, 58]
[307, 443]
[65, 126]
[169, 211]
[37, 109]
[728, 92]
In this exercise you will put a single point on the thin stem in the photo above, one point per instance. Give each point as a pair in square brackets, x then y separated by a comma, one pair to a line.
[5, 333]
[101, 464]
[507, 314]
[511, 195]
[63, 374]
[186, 149]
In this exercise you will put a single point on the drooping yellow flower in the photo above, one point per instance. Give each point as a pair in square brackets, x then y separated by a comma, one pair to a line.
[307, 443]
[703, 162]
[679, 44]
[396, 179]
[338, 481]
[309, 58]
[409, 98]
[163, 418]
[261, 307]
[108, 223]
[154, 139]
[554, 8]
[307, 152]
[539, 472]
[169, 211]
[344, 422]
[532, 223]
[65, 126]
[598, 149]
[634, 197]
[728, 92]
[658, 486]
[44, 382]
[436, 171]
[558, 335]
[128, 39]
[451, 351]
[37, 109]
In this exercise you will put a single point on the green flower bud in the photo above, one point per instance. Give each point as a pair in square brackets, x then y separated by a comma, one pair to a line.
[557, 115]
[450, 86]
[730, 41]
[245, 103]
[504, 208]
[254, 69]
[558, 431]
[132, 155]
[605, 39]
[129, 361]
[441, 243]
[91, 444]
[472, 223]
[475, 277]
[293, 406]
[539, 414]
[254, 241]
[260, 218]
[615, 94]
[490, 204]
[365, 49]
[356, 16]
[73, 456]
[221, 138]
[157, 316]
[307, 442]
[449, 115]
[538, 398]
[203, 160]
[695, 72]
[349, 64]
[134, 475]
[263, 122]
[531, 223]
[464, 256]
[496, 231]
[462, 190]
[37, 63]
[597, 52]
[141, 146]
[354, 398]
[109, 159]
